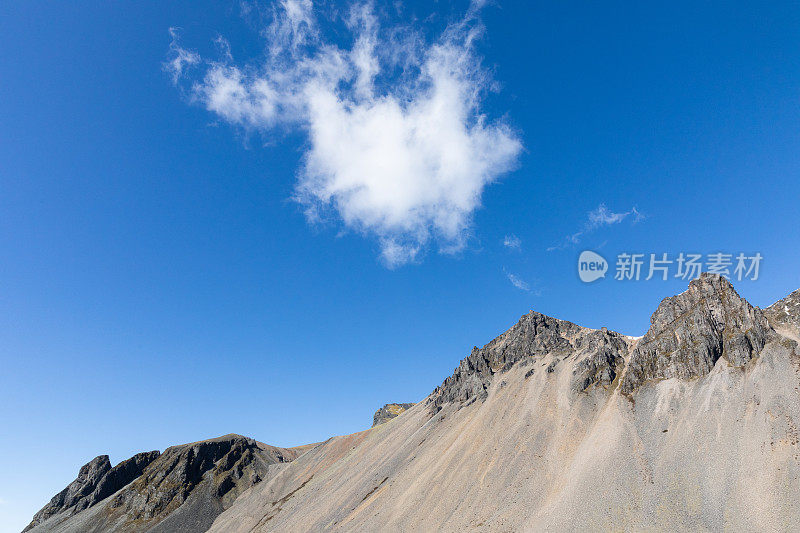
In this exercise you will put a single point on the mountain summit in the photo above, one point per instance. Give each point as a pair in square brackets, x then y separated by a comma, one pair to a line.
[691, 331]
[548, 427]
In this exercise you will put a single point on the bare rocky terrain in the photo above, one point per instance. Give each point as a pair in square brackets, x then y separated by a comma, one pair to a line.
[183, 489]
[548, 427]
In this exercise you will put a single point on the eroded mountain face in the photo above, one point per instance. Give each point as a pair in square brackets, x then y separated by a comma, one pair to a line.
[550, 426]
[231, 463]
[96, 481]
[533, 335]
[183, 489]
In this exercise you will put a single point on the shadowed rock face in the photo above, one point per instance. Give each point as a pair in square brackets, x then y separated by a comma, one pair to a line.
[389, 411]
[600, 355]
[230, 463]
[691, 331]
[96, 481]
[183, 489]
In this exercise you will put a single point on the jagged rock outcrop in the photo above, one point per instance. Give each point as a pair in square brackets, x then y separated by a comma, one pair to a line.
[691, 331]
[229, 463]
[182, 489]
[600, 354]
[534, 334]
[688, 334]
[96, 480]
[389, 411]
[786, 313]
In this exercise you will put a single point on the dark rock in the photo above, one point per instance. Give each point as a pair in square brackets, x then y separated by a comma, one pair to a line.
[184, 489]
[96, 481]
[389, 411]
[231, 464]
[600, 356]
[691, 331]
[533, 335]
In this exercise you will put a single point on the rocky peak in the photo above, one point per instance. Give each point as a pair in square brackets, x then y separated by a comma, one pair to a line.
[389, 411]
[534, 335]
[688, 334]
[182, 489]
[96, 481]
[786, 312]
[691, 331]
[228, 463]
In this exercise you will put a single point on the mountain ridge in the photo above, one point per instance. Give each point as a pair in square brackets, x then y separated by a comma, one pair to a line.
[546, 399]
[183, 488]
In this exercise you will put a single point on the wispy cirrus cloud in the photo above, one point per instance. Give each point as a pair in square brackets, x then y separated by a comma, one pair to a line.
[596, 219]
[518, 282]
[522, 284]
[512, 241]
[399, 146]
[179, 58]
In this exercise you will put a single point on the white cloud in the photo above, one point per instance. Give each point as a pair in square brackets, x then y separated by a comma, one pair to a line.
[399, 147]
[179, 57]
[518, 282]
[225, 90]
[293, 25]
[602, 216]
[512, 241]
[530, 287]
[596, 219]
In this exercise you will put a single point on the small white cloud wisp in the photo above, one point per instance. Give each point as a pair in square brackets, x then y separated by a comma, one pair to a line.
[533, 288]
[179, 59]
[512, 241]
[399, 147]
[518, 282]
[596, 219]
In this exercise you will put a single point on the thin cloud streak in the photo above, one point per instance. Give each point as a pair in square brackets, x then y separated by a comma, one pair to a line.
[521, 284]
[518, 282]
[596, 219]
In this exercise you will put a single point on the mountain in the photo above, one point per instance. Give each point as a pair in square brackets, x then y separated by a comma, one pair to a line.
[95, 482]
[548, 427]
[183, 489]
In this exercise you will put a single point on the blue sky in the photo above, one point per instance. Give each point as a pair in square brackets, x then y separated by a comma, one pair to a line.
[180, 263]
